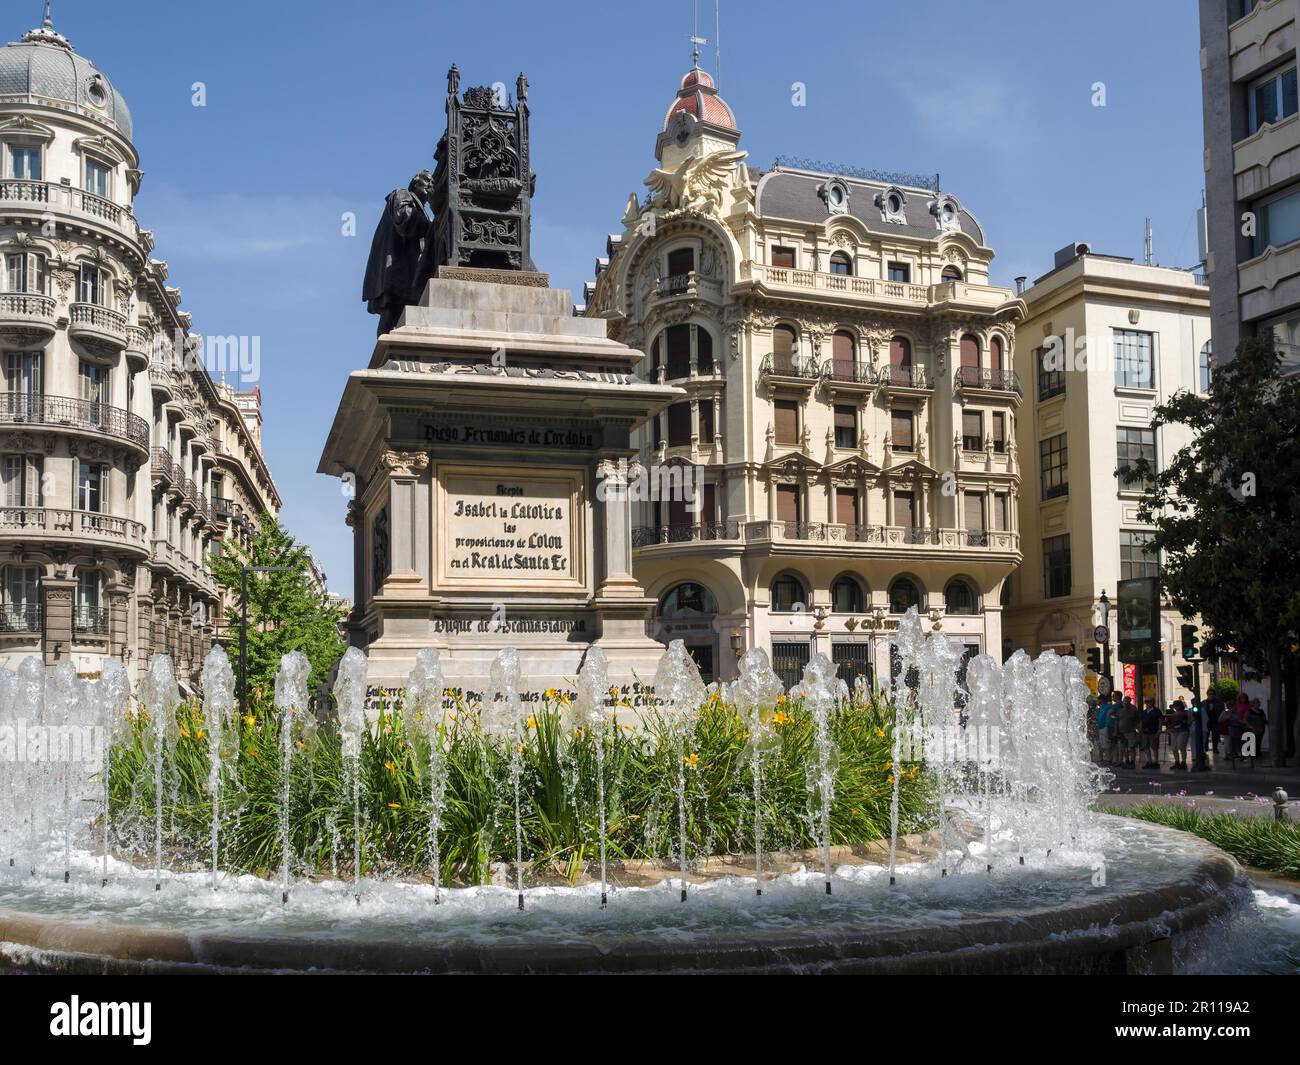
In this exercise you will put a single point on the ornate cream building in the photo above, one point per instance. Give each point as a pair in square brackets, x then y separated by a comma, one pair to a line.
[851, 405]
[123, 463]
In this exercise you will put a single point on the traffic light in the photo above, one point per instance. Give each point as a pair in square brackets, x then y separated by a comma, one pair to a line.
[1094, 659]
[1185, 678]
[1189, 641]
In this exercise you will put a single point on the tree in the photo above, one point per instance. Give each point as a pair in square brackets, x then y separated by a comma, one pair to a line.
[1227, 514]
[285, 613]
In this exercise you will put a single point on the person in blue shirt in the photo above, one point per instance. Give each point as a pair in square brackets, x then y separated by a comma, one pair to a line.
[1104, 712]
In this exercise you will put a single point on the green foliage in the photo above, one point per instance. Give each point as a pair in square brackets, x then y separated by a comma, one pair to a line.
[1226, 689]
[284, 611]
[1258, 841]
[559, 792]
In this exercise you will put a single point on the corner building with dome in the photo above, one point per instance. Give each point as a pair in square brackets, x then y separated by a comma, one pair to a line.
[124, 464]
[850, 409]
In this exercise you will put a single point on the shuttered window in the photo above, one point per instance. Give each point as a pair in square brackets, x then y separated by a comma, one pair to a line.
[783, 257]
[706, 422]
[972, 430]
[846, 426]
[843, 354]
[900, 352]
[787, 502]
[905, 509]
[1000, 511]
[846, 506]
[999, 431]
[900, 430]
[679, 424]
[783, 340]
[970, 352]
[786, 413]
[678, 345]
[973, 512]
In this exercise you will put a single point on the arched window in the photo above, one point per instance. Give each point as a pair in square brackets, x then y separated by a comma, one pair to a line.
[970, 351]
[1205, 368]
[784, 341]
[951, 273]
[688, 600]
[995, 354]
[959, 598]
[786, 593]
[843, 354]
[903, 594]
[900, 352]
[841, 264]
[846, 596]
[677, 350]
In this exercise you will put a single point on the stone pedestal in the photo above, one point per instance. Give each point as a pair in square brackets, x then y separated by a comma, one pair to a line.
[489, 443]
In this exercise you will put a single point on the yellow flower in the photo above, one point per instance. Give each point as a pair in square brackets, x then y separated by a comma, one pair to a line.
[890, 780]
[185, 733]
[301, 746]
[250, 720]
[693, 760]
[780, 700]
[551, 693]
[564, 698]
[394, 805]
[781, 718]
[880, 732]
[252, 752]
[911, 773]
[201, 734]
[577, 733]
[389, 766]
[853, 811]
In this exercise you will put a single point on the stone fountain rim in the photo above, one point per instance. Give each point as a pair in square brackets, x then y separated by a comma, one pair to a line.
[1047, 939]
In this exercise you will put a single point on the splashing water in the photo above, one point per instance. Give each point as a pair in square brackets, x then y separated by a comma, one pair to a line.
[679, 692]
[985, 709]
[161, 695]
[218, 721]
[937, 699]
[350, 700]
[755, 694]
[508, 719]
[423, 716]
[593, 690]
[908, 642]
[295, 718]
[821, 698]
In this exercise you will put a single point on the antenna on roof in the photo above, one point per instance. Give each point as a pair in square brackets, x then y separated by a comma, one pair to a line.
[717, 44]
[696, 39]
[1147, 250]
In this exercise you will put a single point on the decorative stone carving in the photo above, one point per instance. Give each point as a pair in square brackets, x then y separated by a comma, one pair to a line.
[698, 183]
[405, 463]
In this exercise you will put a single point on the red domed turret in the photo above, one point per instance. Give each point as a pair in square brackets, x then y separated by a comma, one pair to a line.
[698, 97]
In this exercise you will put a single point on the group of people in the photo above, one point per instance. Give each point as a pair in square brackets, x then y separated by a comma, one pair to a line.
[1120, 731]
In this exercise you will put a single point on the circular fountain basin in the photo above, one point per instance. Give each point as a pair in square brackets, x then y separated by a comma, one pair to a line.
[1120, 902]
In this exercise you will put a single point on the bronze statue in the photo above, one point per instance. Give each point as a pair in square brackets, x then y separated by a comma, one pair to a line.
[401, 253]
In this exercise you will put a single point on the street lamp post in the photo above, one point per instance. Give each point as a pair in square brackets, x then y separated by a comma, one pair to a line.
[1103, 607]
[244, 571]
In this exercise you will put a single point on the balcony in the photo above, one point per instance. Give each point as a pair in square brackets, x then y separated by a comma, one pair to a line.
[973, 377]
[791, 369]
[27, 320]
[888, 536]
[163, 380]
[842, 371]
[100, 328]
[916, 378]
[699, 532]
[21, 618]
[692, 285]
[163, 467]
[42, 196]
[899, 293]
[17, 408]
[137, 347]
[51, 523]
[90, 620]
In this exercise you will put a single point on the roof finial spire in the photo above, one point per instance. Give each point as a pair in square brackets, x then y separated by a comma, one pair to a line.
[49, 19]
[696, 39]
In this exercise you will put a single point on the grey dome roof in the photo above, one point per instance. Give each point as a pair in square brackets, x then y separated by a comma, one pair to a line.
[43, 67]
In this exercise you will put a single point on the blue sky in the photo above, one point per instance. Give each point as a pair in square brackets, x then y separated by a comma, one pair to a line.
[320, 107]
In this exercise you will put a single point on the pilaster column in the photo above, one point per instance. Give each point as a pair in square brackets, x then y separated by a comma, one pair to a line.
[404, 470]
[144, 629]
[119, 603]
[614, 524]
[59, 592]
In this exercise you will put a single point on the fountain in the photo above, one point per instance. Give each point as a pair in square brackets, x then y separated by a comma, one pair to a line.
[1016, 785]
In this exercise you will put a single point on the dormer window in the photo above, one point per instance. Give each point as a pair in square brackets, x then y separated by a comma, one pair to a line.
[947, 213]
[835, 194]
[893, 205]
[97, 91]
[98, 176]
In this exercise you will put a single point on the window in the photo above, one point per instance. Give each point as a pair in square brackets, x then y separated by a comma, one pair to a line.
[995, 355]
[1133, 359]
[843, 355]
[1056, 566]
[1271, 98]
[846, 506]
[959, 598]
[88, 616]
[92, 483]
[999, 431]
[899, 272]
[94, 382]
[706, 422]
[1132, 445]
[1053, 467]
[22, 480]
[24, 383]
[846, 426]
[97, 178]
[846, 596]
[969, 354]
[786, 416]
[679, 425]
[1001, 511]
[677, 350]
[687, 600]
[1136, 556]
[903, 594]
[972, 430]
[25, 272]
[1204, 368]
[22, 599]
[950, 273]
[841, 264]
[703, 350]
[1051, 382]
[786, 594]
[900, 430]
[783, 257]
[681, 261]
[789, 504]
[905, 510]
[24, 163]
[973, 515]
[785, 345]
[1277, 221]
[900, 352]
[93, 287]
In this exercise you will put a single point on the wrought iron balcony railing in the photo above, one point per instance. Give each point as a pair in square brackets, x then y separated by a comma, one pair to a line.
[905, 376]
[851, 372]
[646, 535]
[23, 408]
[90, 620]
[21, 617]
[992, 380]
[789, 366]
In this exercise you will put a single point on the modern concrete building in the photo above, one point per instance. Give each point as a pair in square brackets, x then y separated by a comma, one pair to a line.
[1252, 171]
[118, 453]
[1126, 337]
[850, 405]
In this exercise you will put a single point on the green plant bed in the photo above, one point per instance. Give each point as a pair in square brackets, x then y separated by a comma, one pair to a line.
[1257, 841]
[560, 816]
